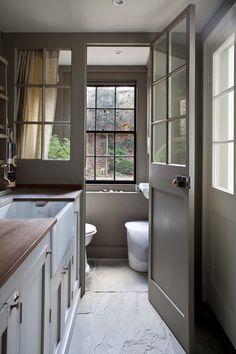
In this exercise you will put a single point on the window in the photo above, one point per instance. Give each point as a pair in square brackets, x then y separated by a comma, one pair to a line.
[110, 137]
[43, 97]
[223, 117]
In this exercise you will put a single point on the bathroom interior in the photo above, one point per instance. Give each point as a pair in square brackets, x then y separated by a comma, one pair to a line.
[116, 188]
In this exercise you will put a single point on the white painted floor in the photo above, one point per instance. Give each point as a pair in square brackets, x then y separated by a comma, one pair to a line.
[116, 317]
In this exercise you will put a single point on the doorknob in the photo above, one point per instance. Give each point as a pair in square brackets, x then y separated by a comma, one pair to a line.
[181, 182]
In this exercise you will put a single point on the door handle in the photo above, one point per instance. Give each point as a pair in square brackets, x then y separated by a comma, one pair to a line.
[181, 182]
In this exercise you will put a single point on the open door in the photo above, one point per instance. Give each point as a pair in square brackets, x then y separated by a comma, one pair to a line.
[172, 191]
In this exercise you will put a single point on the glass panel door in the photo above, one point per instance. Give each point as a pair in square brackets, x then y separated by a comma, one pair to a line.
[169, 97]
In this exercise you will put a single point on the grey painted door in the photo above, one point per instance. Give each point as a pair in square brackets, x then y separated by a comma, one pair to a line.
[171, 257]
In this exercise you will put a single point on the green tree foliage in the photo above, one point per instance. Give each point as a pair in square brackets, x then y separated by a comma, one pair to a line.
[59, 148]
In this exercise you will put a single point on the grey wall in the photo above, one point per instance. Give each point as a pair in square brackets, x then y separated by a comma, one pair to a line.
[110, 211]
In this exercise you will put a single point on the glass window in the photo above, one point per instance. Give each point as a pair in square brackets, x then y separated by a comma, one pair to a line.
[110, 142]
[223, 117]
[43, 116]
[177, 46]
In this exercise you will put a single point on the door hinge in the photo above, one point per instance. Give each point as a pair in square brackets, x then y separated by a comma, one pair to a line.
[21, 312]
[50, 315]
[72, 294]
[72, 260]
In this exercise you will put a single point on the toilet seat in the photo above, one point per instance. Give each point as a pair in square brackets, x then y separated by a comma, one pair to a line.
[90, 229]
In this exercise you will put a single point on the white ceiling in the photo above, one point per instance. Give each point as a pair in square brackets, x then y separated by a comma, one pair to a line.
[109, 56]
[97, 15]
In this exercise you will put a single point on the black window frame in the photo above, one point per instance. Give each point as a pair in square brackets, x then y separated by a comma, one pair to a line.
[95, 131]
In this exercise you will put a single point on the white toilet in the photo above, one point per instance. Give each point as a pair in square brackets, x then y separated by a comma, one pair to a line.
[90, 230]
[137, 239]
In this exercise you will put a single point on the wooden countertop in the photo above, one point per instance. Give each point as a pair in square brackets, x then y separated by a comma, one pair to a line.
[18, 237]
[69, 193]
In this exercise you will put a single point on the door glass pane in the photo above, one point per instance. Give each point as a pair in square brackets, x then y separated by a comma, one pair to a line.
[159, 101]
[159, 142]
[57, 104]
[29, 137]
[223, 67]
[52, 66]
[177, 142]
[124, 168]
[29, 104]
[223, 166]
[159, 59]
[177, 95]
[29, 67]
[223, 117]
[57, 142]
[177, 46]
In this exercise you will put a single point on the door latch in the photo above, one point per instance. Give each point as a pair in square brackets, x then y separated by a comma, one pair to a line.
[181, 182]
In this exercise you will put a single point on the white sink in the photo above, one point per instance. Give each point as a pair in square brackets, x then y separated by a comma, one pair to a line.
[62, 232]
[144, 187]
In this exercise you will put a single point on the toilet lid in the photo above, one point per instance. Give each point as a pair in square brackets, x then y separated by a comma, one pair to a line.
[90, 229]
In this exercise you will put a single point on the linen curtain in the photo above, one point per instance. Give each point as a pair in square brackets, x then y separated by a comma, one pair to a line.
[30, 66]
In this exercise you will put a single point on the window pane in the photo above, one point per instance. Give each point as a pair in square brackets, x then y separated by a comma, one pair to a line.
[125, 97]
[64, 68]
[125, 144]
[177, 46]
[223, 117]
[56, 142]
[223, 67]
[29, 67]
[124, 120]
[104, 144]
[106, 97]
[159, 143]
[223, 166]
[90, 119]
[105, 119]
[159, 59]
[177, 142]
[57, 105]
[52, 66]
[124, 168]
[29, 137]
[89, 170]
[91, 91]
[90, 144]
[177, 95]
[29, 104]
[104, 168]
[159, 101]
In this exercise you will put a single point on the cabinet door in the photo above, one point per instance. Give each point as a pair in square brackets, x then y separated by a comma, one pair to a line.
[35, 307]
[56, 312]
[10, 325]
[67, 288]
